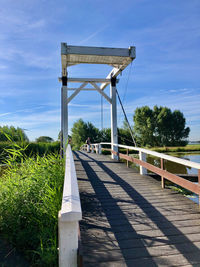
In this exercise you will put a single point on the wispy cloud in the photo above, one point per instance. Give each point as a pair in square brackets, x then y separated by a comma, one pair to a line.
[93, 34]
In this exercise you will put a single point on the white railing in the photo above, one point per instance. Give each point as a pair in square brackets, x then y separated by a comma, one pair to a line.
[195, 188]
[69, 215]
[159, 155]
[92, 148]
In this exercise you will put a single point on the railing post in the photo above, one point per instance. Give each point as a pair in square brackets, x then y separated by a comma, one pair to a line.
[142, 156]
[127, 162]
[92, 148]
[68, 242]
[162, 168]
[100, 149]
[96, 148]
[88, 148]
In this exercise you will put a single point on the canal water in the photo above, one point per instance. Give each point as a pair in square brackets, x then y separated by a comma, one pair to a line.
[178, 168]
[175, 167]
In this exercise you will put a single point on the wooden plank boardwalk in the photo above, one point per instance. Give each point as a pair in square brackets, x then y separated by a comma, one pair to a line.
[128, 220]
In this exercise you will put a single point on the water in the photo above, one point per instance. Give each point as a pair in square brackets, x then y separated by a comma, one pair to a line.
[175, 167]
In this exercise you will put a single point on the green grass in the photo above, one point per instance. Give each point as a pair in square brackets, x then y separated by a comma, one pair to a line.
[188, 148]
[30, 198]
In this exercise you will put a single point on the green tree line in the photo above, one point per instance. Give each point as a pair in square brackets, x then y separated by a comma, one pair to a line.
[152, 127]
[158, 126]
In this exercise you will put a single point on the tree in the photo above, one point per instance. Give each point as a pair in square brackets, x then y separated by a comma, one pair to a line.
[44, 139]
[81, 131]
[144, 126]
[160, 127]
[106, 135]
[16, 134]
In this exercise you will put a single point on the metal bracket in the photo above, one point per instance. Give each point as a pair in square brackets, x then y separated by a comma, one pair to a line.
[113, 81]
[64, 80]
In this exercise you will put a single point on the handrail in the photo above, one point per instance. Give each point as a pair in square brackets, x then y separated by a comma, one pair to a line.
[69, 215]
[160, 155]
[144, 166]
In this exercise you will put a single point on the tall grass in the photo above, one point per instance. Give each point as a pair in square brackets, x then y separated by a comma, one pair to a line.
[32, 149]
[30, 198]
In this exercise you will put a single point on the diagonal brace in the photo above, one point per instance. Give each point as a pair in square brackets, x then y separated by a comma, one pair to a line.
[101, 92]
[76, 92]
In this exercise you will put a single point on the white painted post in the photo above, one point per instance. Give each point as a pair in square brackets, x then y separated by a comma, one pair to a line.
[64, 117]
[88, 148]
[114, 136]
[100, 149]
[142, 156]
[92, 148]
[68, 243]
[96, 148]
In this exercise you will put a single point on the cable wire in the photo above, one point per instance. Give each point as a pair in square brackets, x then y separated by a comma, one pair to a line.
[101, 112]
[131, 132]
[126, 87]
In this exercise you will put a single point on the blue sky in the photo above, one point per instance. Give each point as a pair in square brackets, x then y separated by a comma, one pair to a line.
[166, 70]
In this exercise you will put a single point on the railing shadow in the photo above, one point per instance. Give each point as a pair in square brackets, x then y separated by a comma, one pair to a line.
[166, 226]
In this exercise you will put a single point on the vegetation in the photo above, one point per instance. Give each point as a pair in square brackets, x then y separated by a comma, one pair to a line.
[188, 148]
[30, 198]
[81, 131]
[160, 127]
[31, 149]
[157, 127]
[16, 134]
[44, 139]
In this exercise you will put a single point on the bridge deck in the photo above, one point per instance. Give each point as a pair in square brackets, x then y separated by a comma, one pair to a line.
[128, 220]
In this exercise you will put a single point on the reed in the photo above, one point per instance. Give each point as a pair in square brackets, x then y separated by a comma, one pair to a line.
[30, 198]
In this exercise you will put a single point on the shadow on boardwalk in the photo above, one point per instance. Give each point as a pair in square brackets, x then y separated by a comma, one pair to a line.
[130, 253]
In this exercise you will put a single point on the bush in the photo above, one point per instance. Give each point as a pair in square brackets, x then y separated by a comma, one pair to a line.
[30, 198]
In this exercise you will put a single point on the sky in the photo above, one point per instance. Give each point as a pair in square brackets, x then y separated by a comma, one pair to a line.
[166, 71]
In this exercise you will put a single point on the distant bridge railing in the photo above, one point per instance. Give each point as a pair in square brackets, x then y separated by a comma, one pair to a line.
[144, 166]
[69, 216]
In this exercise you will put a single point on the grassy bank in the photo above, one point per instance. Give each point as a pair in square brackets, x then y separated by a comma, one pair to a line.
[30, 198]
[188, 148]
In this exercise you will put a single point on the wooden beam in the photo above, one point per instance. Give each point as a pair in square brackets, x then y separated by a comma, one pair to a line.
[76, 92]
[101, 92]
[82, 80]
[84, 89]
[97, 51]
[114, 73]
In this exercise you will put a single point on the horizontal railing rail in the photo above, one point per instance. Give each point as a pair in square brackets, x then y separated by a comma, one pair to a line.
[159, 155]
[144, 166]
[69, 215]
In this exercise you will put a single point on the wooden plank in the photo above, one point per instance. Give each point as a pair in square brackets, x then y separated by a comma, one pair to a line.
[128, 220]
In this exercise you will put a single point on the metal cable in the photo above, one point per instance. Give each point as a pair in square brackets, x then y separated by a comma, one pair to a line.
[131, 132]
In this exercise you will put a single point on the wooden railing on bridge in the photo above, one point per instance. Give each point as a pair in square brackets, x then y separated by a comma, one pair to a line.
[144, 166]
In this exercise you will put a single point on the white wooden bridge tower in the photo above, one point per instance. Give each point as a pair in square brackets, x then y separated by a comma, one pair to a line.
[118, 58]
